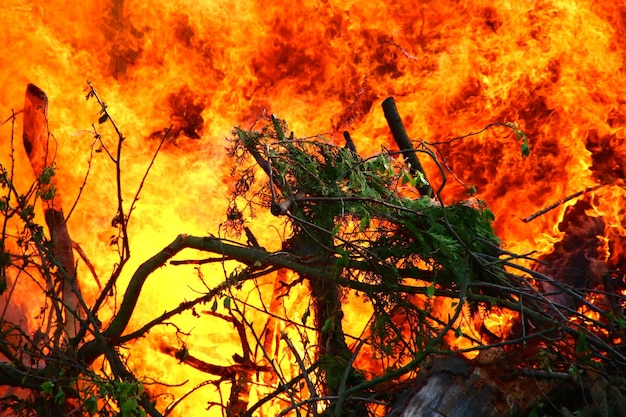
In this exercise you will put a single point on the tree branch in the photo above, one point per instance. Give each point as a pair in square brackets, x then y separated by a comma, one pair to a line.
[404, 143]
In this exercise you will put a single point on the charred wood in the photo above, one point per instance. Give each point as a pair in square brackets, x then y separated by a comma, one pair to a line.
[574, 261]
[493, 385]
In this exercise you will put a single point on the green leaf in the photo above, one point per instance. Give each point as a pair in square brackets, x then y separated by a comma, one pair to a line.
[406, 179]
[46, 175]
[227, 303]
[581, 343]
[59, 398]
[430, 291]
[91, 405]
[365, 221]
[103, 118]
[525, 147]
[47, 192]
[280, 133]
[214, 306]
[305, 316]
[327, 324]
[47, 387]
[345, 258]
[124, 389]
[488, 215]
[422, 179]
[128, 407]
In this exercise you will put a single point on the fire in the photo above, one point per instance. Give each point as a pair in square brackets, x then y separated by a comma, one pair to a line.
[554, 68]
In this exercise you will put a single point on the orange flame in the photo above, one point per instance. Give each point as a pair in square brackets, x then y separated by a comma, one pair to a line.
[554, 68]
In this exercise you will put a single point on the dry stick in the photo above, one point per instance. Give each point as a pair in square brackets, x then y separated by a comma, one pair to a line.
[280, 389]
[147, 171]
[558, 203]
[170, 407]
[36, 139]
[404, 143]
[7, 178]
[223, 371]
[344, 379]
[87, 262]
[82, 186]
[308, 381]
[414, 363]
[349, 142]
[534, 373]
[272, 362]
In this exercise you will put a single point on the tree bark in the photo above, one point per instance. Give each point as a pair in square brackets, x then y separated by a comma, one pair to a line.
[36, 138]
[447, 387]
[494, 385]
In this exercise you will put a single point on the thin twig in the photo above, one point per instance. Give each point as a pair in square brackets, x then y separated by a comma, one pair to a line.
[170, 407]
[147, 171]
[87, 262]
[285, 387]
[535, 373]
[324, 398]
[12, 117]
[305, 375]
[561, 201]
[272, 363]
[103, 145]
[84, 183]
[344, 380]
[120, 218]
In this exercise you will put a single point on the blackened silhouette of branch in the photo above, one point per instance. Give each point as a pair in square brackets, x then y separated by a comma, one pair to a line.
[404, 143]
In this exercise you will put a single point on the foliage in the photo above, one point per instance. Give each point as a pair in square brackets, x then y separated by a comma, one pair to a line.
[363, 199]
[364, 213]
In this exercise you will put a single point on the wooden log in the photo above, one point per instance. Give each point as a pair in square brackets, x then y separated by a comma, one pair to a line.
[41, 151]
[447, 386]
[495, 385]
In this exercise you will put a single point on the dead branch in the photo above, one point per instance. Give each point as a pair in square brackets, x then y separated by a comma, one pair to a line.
[305, 375]
[404, 143]
[227, 372]
[561, 201]
[36, 139]
[280, 389]
[349, 142]
[87, 262]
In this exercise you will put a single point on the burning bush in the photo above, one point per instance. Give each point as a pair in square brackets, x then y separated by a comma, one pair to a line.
[368, 243]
